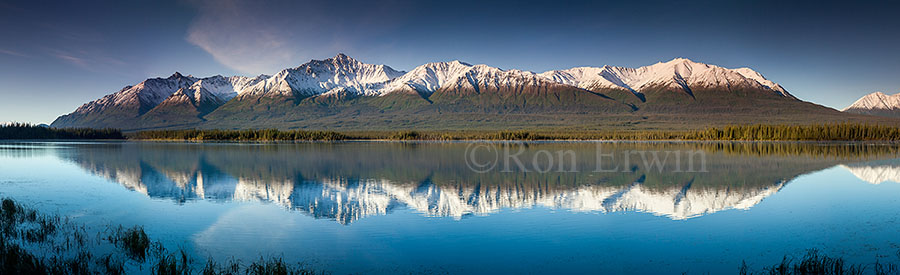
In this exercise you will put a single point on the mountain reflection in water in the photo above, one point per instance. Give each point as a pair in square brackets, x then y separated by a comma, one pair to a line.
[350, 181]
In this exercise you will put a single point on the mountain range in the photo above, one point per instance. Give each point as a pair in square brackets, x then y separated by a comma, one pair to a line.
[344, 93]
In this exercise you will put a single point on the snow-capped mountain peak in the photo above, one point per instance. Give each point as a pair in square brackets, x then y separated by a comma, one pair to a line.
[876, 101]
[156, 90]
[320, 76]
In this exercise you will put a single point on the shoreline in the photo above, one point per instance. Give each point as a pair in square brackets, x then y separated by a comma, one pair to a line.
[867, 142]
[792, 133]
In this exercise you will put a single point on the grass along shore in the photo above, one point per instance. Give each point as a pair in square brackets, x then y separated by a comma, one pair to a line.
[36, 243]
[823, 132]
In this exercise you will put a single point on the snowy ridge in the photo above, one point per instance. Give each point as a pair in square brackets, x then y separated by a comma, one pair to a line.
[678, 73]
[321, 76]
[751, 74]
[876, 101]
[428, 77]
[154, 91]
[588, 77]
[144, 95]
[226, 87]
[213, 91]
[196, 98]
[459, 75]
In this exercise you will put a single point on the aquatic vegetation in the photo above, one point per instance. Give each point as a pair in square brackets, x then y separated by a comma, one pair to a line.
[212, 267]
[24, 232]
[814, 262]
[276, 265]
[174, 264]
[133, 240]
[14, 259]
[111, 265]
[67, 249]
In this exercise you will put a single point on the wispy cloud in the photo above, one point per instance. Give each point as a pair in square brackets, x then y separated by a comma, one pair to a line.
[85, 59]
[254, 37]
[238, 35]
[13, 53]
[74, 60]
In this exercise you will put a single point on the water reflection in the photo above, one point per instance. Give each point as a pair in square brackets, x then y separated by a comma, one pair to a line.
[349, 181]
[876, 172]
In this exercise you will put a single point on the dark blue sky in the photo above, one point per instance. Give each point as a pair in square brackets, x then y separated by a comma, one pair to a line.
[55, 56]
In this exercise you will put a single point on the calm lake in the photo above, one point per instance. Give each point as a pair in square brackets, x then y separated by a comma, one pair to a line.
[468, 207]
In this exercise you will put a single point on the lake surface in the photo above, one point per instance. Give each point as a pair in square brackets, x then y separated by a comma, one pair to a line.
[552, 207]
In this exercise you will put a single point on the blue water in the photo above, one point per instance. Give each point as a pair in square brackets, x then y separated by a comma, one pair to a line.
[417, 207]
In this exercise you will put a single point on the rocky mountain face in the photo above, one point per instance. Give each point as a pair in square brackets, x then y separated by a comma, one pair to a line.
[345, 93]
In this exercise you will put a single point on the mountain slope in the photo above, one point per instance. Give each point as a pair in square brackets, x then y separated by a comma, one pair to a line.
[129, 105]
[186, 106]
[117, 109]
[877, 103]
